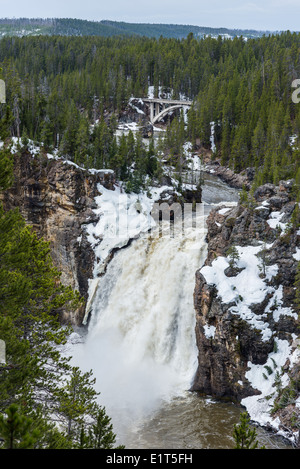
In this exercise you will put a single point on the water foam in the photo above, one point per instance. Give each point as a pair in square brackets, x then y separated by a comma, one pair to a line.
[141, 341]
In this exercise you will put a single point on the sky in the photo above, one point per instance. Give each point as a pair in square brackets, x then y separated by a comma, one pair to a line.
[271, 15]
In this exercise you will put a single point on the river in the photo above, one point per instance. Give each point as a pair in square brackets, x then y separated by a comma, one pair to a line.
[141, 345]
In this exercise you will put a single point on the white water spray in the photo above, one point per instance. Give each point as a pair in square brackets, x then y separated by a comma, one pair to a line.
[141, 341]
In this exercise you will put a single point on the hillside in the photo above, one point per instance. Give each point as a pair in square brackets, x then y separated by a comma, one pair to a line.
[76, 27]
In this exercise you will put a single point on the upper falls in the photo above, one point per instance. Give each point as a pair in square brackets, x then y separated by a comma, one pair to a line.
[141, 340]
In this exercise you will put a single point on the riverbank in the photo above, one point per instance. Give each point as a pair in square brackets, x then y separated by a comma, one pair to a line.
[247, 323]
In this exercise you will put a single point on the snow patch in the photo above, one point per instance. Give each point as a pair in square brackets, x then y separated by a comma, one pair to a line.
[262, 378]
[209, 331]
[135, 108]
[222, 211]
[274, 221]
[296, 256]
[245, 289]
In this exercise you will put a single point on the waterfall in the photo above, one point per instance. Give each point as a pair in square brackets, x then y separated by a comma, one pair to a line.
[141, 338]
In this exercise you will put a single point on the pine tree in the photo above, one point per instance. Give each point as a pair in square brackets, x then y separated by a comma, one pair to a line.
[102, 143]
[100, 434]
[233, 255]
[257, 143]
[82, 143]
[244, 436]
[76, 401]
[87, 426]
[47, 134]
[6, 169]
[17, 430]
[69, 141]
[31, 297]
[239, 149]
[6, 123]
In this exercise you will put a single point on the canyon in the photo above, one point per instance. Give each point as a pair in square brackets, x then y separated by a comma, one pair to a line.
[57, 198]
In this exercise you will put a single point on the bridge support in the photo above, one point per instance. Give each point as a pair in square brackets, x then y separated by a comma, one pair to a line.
[151, 112]
[155, 110]
[166, 104]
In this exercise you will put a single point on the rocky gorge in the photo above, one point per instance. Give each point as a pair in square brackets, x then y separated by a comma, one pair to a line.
[244, 297]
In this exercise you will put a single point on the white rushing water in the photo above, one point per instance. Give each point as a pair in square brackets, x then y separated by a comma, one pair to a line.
[141, 340]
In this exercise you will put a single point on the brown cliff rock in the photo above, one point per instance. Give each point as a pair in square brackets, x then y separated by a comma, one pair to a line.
[226, 341]
[57, 199]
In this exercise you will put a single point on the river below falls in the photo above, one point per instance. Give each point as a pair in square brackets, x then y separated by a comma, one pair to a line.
[190, 421]
[148, 398]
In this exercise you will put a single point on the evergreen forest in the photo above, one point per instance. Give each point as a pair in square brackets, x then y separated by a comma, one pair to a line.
[57, 87]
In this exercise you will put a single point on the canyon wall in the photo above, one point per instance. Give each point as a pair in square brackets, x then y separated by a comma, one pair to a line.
[238, 329]
[57, 199]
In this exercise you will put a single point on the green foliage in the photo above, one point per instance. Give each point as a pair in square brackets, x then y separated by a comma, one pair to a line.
[233, 255]
[287, 395]
[244, 435]
[77, 400]
[6, 169]
[100, 434]
[243, 86]
[295, 219]
[269, 369]
[244, 197]
[17, 431]
[263, 258]
[31, 297]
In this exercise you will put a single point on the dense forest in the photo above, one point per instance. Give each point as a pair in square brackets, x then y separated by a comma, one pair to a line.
[107, 28]
[58, 86]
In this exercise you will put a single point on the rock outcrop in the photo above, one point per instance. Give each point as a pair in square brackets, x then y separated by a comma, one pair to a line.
[227, 175]
[235, 334]
[56, 197]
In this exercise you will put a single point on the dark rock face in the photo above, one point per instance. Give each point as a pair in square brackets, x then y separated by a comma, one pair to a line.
[223, 356]
[231, 178]
[221, 359]
[57, 199]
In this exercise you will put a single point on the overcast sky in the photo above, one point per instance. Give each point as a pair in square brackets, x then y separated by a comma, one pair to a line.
[257, 14]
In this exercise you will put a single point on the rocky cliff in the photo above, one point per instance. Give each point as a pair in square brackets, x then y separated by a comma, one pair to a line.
[247, 325]
[56, 197]
[227, 175]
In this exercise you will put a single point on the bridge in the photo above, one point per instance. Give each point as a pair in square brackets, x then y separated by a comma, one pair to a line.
[160, 107]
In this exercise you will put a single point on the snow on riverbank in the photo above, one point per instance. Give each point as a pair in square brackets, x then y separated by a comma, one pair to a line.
[35, 149]
[122, 217]
[164, 93]
[247, 288]
[264, 378]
